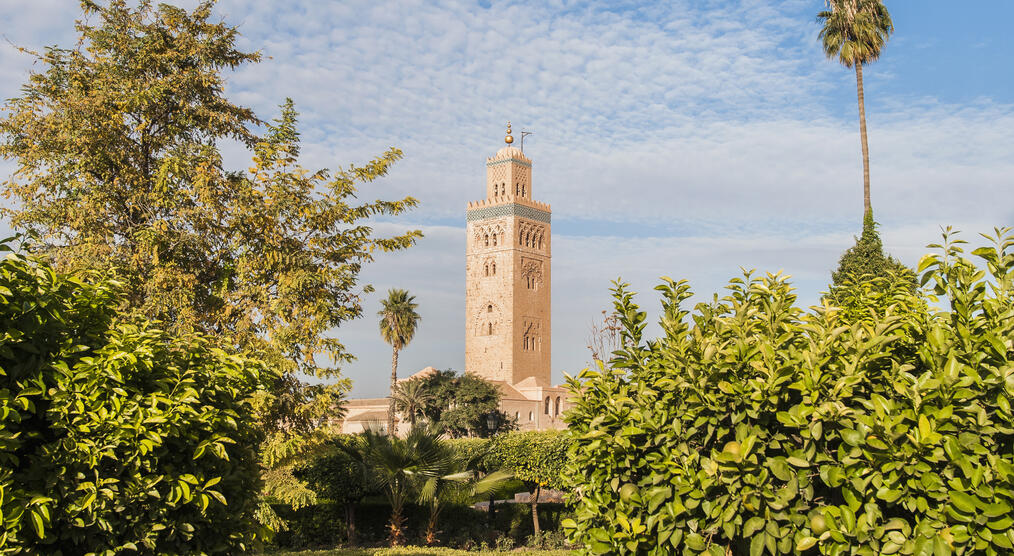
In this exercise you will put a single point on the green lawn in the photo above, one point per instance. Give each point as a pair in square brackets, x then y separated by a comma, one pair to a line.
[412, 551]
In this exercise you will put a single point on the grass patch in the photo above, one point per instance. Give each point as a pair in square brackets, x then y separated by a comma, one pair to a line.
[413, 551]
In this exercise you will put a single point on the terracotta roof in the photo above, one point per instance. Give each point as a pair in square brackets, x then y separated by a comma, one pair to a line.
[379, 416]
[507, 391]
[531, 382]
[428, 371]
[356, 402]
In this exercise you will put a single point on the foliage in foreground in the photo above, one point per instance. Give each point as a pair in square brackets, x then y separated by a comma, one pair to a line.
[752, 425]
[119, 168]
[419, 551]
[117, 437]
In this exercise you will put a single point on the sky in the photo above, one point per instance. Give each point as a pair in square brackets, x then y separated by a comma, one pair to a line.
[687, 139]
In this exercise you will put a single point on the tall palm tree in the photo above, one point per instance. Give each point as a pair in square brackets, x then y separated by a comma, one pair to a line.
[398, 321]
[411, 397]
[855, 32]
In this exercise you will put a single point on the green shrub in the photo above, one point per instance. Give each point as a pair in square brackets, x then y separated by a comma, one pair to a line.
[117, 437]
[535, 457]
[753, 425]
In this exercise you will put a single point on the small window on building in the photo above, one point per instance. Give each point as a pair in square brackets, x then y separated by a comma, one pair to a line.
[557, 405]
[517, 415]
[494, 240]
[487, 240]
[487, 270]
[522, 190]
[494, 268]
[549, 402]
[531, 415]
[489, 328]
[489, 308]
[521, 237]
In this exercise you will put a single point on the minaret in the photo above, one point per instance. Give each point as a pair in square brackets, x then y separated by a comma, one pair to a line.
[507, 278]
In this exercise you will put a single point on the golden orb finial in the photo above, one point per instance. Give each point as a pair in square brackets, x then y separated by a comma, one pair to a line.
[508, 139]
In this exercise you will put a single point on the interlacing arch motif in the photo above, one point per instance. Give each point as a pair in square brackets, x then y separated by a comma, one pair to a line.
[490, 235]
[487, 320]
[531, 338]
[531, 273]
[531, 235]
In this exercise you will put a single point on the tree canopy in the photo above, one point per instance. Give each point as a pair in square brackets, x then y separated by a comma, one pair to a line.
[866, 262]
[459, 405]
[119, 168]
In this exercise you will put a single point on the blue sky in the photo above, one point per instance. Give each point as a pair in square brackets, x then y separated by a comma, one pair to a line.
[686, 139]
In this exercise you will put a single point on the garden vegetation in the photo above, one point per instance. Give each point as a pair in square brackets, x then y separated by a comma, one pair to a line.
[755, 426]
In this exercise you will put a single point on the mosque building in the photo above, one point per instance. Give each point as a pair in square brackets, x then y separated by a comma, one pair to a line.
[507, 299]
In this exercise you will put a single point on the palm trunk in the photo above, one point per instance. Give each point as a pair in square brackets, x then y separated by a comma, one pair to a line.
[862, 136]
[350, 522]
[535, 510]
[396, 526]
[394, 385]
[431, 525]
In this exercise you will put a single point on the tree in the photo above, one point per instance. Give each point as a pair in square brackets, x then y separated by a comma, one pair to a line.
[449, 472]
[118, 169]
[460, 405]
[864, 265]
[118, 436]
[410, 398]
[340, 474]
[534, 457]
[396, 463]
[604, 338]
[398, 321]
[855, 32]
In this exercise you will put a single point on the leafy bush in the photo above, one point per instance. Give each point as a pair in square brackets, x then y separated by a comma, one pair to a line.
[753, 425]
[116, 438]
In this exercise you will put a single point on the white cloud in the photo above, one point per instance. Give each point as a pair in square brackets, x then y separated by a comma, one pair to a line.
[679, 138]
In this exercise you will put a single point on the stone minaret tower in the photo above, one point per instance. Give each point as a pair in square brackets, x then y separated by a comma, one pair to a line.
[507, 279]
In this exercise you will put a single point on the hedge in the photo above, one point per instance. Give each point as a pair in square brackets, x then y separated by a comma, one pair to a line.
[117, 437]
[752, 425]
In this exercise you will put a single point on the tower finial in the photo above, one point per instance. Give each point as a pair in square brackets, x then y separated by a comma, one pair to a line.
[509, 138]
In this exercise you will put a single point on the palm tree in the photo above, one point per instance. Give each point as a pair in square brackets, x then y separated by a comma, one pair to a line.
[411, 397]
[448, 472]
[397, 464]
[855, 32]
[398, 321]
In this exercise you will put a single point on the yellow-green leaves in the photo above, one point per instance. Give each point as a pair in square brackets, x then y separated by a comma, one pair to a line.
[881, 430]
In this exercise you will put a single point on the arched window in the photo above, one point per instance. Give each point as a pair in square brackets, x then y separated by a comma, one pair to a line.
[503, 188]
[494, 269]
[522, 190]
[557, 405]
[487, 239]
[549, 402]
[528, 239]
[531, 416]
[489, 329]
[540, 241]
[494, 240]
[489, 308]
[521, 237]
[517, 415]
[517, 190]
[487, 270]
